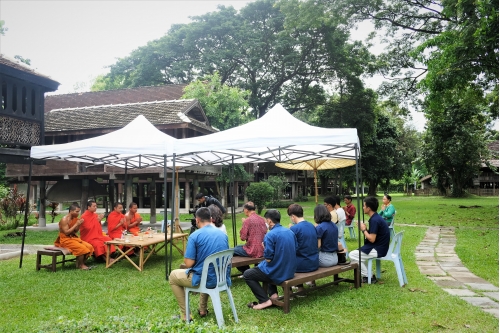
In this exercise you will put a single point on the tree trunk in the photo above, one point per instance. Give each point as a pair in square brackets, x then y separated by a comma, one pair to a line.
[372, 187]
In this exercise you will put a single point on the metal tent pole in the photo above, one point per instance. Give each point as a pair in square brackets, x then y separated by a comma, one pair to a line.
[169, 266]
[26, 211]
[233, 206]
[358, 167]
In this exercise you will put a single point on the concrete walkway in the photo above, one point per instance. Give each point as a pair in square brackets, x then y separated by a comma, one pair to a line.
[437, 259]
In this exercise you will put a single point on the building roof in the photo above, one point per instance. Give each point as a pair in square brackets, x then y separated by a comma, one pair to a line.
[119, 96]
[423, 179]
[20, 70]
[493, 148]
[159, 113]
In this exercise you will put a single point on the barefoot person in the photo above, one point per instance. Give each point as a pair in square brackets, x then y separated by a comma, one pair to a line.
[68, 227]
[279, 265]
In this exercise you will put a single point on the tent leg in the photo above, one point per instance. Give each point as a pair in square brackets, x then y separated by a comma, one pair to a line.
[26, 211]
[233, 206]
[169, 266]
[358, 180]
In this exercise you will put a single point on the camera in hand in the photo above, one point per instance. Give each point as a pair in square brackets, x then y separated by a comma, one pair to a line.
[193, 220]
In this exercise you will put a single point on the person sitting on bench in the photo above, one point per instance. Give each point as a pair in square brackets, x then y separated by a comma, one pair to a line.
[133, 219]
[68, 227]
[279, 265]
[253, 231]
[377, 238]
[91, 231]
[307, 241]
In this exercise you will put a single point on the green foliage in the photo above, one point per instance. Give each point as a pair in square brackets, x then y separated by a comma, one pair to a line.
[4, 191]
[3, 29]
[279, 204]
[300, 197]
[260, 193]
[224, 106]
[378, 155]
[455, 141]
[279, 183]
[23, 60]
[12, 206]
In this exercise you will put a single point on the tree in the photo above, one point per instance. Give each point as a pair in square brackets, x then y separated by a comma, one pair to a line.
[224, 178]
[260, 193]
[252, 50]
[3, 29]
[279, 183]
[23, 60]
[224, 106]
[455, 140]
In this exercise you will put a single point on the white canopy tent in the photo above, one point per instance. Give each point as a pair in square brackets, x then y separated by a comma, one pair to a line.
[276, 137]
[139, 144]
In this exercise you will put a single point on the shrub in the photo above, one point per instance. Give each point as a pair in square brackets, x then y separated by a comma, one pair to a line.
[13, 206]
[260, 193]
[279, 204]
[300, 198]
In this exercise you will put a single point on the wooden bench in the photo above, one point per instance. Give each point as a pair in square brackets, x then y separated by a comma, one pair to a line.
[322, 272]
[52, 252]
[238, 261]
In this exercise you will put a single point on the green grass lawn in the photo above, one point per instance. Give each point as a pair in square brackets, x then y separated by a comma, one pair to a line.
[122, 299]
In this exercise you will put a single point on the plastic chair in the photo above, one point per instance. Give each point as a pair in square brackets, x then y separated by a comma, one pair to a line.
[391, 226]
[394, 255]
[221, 261]
[341, 226]
[352, 232]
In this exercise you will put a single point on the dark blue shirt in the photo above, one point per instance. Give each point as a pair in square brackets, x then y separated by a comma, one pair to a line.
[307, 250]
[279, 247]
[202, 243]
[379, 227]
[329, 234]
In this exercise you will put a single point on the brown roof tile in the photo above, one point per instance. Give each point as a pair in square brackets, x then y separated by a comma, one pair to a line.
[117, 116]
[119, 96]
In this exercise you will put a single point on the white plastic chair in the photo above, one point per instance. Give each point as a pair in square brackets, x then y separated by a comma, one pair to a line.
[391, 226]
[341, 226]
[394, 255]
[221, 261]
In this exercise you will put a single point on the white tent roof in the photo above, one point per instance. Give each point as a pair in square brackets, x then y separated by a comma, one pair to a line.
[139, 142]
[277, 136]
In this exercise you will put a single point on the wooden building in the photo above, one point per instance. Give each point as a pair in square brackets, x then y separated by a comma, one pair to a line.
[79, 116]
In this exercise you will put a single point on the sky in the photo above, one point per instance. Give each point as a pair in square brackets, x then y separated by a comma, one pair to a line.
[74, 41]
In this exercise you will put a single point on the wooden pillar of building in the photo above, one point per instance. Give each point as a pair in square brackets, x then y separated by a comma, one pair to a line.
[294, 184]
[152, 198]
[128, 193]
[196, 189]
[85, 195]
[111, 192]
[42, 221]
[140, 194]
[187, 192]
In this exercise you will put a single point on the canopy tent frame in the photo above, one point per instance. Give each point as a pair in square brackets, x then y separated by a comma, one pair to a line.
[230, 148]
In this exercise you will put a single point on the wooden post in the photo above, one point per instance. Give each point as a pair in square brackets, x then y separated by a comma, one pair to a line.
[42, 221]
[152, 198]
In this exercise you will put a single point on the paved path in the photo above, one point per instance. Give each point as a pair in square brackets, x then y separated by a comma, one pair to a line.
[437, 259]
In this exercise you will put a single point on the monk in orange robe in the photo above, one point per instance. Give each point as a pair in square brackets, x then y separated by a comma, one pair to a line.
[116, 221]
[91, 231]
[133, 219]
[68, 227]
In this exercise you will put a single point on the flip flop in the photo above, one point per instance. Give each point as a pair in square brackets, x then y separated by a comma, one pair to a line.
[203, 315]
[252, 304]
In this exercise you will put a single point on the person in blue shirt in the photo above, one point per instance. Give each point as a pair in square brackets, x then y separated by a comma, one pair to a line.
[279, 265]
[377, 238]
[307, 240]
[203, 242]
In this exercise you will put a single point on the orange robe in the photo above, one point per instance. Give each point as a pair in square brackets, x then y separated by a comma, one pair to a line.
[91, 232]
[73, 243]
[134, 230]
[113, 220]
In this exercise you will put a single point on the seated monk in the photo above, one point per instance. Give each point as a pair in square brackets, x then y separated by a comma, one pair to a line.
[91, 231]
[68, 226]
[116, 221]
[133, 219]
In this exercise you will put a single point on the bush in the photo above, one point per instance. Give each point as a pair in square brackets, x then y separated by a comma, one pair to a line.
[279, 204]
[260, 193]
[13, 206]
[300, 198]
